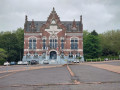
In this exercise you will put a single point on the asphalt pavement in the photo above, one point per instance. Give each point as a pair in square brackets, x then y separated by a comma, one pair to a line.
[60, 78]
[89, 74]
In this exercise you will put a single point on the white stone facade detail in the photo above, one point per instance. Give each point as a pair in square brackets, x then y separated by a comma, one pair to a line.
[53, 30]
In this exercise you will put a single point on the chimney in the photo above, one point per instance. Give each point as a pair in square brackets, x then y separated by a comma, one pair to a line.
[26, 19]
[81, 18]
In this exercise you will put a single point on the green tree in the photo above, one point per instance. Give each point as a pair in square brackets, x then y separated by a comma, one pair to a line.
[94, 33]
[13, 43]
[9, 42]
[20, 37]
[110, 42]
[3, 56]
[92, 48]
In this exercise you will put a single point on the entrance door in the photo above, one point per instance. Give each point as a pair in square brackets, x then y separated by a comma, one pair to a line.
[53, 55]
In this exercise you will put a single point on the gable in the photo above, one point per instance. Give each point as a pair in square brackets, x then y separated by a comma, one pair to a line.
[54, 20]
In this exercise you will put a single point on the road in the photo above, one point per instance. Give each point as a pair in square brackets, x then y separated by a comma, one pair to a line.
[90, 76]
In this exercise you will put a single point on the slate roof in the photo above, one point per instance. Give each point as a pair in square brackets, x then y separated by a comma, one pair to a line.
[67, 24]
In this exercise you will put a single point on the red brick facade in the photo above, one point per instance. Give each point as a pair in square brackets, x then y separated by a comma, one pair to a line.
[65, 29]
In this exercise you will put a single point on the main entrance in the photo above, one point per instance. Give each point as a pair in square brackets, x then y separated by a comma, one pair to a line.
[53, 55]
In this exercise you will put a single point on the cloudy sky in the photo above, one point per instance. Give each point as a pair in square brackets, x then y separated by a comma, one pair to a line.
[99, 15]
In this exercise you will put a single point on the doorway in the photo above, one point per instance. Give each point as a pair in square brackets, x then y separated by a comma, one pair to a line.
[53, 55]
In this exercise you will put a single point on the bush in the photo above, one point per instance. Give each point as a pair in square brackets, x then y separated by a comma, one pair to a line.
[94, 60]
[2, 61]
[2, 56]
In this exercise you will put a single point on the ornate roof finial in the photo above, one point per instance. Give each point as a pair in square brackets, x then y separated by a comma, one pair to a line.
[53, 9]
[33, 22]
[32, 25]
[74, 24]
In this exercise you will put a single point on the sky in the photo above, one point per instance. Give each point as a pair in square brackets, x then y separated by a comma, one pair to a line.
[99, 15]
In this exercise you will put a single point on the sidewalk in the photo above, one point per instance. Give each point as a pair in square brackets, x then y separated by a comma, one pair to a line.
[112, 68]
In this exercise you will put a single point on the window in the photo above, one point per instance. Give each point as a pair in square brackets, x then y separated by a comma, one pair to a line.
[44, 44]
[74, 43]
[62, 44]
[53, 43]
[32, 43]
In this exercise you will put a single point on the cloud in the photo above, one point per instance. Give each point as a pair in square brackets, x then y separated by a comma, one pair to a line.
[100, 15]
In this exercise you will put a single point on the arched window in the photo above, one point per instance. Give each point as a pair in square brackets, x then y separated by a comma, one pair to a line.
[44, 42]
[74, 43]
[62, 43]
[32, 43]
[53, 43]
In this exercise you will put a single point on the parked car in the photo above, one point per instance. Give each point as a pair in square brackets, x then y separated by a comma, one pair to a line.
[76, 61]
[33, 62]
[20, 63]
[106, 59]
[6, 63]
[45, 62]
[12, 63]
[24, 63]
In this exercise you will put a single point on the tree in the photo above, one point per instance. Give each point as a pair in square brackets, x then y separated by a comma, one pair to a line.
[3, 56]
[20, 37]
[91, 45]
[9, 43]
[110, 43]
[12, 43]
[94, 33]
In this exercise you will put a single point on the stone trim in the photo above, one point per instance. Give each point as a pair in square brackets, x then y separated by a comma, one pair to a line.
[33, 50]
[32, 34]
[57, 39]
[72, 50]
[74, 34]
[52, 50]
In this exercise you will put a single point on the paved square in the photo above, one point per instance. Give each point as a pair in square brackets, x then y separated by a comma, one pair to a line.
[92, 76]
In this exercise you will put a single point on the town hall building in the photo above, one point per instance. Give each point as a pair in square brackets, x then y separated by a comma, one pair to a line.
[61, 41]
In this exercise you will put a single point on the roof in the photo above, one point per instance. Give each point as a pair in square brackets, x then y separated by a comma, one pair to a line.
[67, 24]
